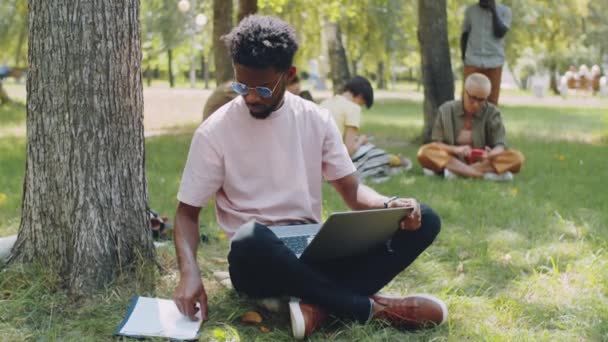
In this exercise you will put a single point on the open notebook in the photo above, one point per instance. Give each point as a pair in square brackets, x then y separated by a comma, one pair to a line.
[149, 317]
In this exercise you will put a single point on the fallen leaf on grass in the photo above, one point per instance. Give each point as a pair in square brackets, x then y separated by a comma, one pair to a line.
[264, 329]
[219, 260]
[460, 268]
[251, 317]
[560, 157]
[219, 334]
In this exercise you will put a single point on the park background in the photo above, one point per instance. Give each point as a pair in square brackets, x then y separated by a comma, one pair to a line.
[524, 260]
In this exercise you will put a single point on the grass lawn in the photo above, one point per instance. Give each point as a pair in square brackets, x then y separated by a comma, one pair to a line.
[526, 260]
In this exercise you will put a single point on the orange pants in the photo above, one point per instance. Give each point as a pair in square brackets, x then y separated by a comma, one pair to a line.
[434, 157]
[494, 74]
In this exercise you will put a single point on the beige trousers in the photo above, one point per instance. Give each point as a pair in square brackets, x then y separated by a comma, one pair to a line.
[434, 157]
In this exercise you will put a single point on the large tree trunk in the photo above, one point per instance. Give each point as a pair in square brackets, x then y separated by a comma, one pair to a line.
[84, 202]
[222, 24]
[437, 75]
[247, 7]
[338, 63]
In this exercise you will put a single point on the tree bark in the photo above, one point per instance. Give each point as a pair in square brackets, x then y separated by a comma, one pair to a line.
[553, 78]
[205, 69]
[3, 95]
[84, 202]
[381, 79]
[353, 67]
[247, 7]
[337, 56]
[222, 24]
[437, 75]
[20, 43]
[170, 68]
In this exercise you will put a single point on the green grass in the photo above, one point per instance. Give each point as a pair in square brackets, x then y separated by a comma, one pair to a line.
[12, 114]
[519, 261]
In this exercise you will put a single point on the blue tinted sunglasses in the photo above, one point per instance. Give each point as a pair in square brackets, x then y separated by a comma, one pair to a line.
[264, 92]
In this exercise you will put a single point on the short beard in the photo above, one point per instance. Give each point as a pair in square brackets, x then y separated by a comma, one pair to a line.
[262, 115]
[265, 114]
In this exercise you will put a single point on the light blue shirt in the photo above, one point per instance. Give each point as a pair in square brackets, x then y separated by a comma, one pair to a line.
[484, 50]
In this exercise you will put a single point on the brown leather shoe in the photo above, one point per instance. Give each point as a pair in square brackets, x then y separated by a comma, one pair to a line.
[412, 312]
[305, 318]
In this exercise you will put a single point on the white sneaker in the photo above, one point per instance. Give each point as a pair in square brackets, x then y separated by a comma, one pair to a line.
[505, 177]
[305, 318]
[447, 174]
[428, 172]
[406, 163]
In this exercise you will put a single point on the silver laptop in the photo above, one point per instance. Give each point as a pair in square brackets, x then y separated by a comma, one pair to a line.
[343, 234]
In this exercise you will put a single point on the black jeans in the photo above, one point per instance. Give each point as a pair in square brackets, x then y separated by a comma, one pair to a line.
[262, 266]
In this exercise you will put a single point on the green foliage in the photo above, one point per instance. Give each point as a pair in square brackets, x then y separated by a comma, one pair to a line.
[13, 33]
[11, 114]
[554, 33]
[161, 19]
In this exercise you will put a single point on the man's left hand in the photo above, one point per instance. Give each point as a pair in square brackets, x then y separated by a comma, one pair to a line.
[412, 221]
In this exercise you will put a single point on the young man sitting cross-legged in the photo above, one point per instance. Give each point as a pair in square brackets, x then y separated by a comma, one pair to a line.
[469, 138]
[264, 156]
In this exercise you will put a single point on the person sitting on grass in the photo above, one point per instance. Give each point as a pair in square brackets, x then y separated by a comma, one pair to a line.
[219, 97]
[345, 109]
[469, 138]
[294, 87]
[264, 156]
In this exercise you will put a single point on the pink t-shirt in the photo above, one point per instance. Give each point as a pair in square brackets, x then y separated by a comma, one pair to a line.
[267, 170]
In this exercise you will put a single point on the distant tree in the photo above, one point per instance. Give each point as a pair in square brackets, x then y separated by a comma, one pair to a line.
[437, 75]
[161, 18]
[598, 27]
[3, 95]
[222, 24]
[247, 7]
[84, 200]
[338, 63]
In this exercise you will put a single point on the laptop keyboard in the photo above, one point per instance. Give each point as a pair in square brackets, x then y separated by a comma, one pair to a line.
[297, 244]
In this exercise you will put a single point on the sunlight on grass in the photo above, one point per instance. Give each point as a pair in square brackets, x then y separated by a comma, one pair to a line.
[551, 124]
[519, 261]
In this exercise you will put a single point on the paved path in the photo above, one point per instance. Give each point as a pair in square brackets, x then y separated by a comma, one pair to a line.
[166, 109]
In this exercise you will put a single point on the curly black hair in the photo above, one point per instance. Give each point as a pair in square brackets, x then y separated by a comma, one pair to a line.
[359, 85]
[261, 42]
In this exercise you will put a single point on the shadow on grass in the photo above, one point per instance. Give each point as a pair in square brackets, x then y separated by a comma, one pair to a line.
[524, 260]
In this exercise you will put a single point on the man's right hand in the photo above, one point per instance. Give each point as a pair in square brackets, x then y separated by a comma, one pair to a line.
[189, 291]
[362, 140]
[463, 151]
